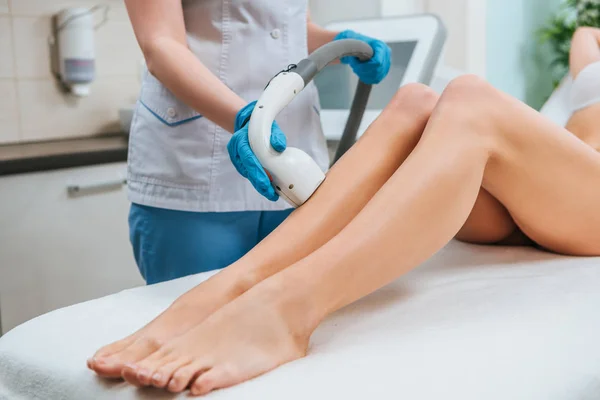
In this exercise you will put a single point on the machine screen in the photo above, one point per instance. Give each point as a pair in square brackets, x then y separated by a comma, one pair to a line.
[337, 83]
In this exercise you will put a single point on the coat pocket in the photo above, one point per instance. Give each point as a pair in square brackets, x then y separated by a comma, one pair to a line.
[163, 104]
[170, 143]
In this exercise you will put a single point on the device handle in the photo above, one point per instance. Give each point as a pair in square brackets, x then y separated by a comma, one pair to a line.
[295, 175]
[325, 55]
[319, 59]
[285, 86]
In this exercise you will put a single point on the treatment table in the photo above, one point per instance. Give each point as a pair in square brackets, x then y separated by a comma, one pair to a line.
[472, 323]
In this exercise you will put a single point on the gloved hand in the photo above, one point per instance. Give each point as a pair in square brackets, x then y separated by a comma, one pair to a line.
[376, 69]
[243, 158]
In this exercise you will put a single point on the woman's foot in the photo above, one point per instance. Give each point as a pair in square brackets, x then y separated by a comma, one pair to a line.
[186, 312]
[257, 332]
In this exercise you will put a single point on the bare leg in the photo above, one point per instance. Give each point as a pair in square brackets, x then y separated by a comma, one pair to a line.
[349, 186]
[544, 176]
[585, 49]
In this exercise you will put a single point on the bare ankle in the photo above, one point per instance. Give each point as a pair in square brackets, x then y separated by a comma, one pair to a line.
[292, 304]
[216, 291]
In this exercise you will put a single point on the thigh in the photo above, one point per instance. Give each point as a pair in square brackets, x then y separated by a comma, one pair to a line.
[548, 179]
[584, 50]
[169, 244]
[269, 220]
[585, 124]
[490, 223]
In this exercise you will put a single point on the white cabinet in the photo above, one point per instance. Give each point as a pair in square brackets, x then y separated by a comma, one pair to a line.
[57, 249]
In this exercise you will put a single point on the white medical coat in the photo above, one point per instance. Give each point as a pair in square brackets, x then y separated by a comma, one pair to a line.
[177, 158]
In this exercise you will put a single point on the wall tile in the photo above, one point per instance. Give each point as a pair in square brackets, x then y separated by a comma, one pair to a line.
[48, 7]
[9, 117]
[35, 109]
[31, 46]
[117, 52]
[46, 113]
[6, 51]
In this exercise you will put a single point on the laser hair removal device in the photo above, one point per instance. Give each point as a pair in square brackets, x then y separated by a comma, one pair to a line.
[295, 175]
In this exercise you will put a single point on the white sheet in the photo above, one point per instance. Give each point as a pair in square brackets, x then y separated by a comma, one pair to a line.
[472, 323]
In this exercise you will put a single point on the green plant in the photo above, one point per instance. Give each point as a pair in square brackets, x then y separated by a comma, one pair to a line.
[560, 29]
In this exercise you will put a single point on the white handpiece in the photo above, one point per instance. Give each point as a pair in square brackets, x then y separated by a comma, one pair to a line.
[296, 176]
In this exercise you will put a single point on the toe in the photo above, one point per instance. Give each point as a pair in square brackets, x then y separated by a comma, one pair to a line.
[143, 376]
[98, 361]
[113, 348]
[147, 367]
[129, 372]
[113, 366]
[163, 375]
[139, 373]
[184, 375]
[108, 367]
[215, 378]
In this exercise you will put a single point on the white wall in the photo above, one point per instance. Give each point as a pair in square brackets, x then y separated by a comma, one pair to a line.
[327, 11]
[517, 63]
[465, 19]
[466, 44]
[397, 7]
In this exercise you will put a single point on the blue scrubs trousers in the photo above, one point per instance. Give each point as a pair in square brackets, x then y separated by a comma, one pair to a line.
[169, 244]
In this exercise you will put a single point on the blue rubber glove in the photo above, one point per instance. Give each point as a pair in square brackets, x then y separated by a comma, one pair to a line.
[376, 69]
[243, 158]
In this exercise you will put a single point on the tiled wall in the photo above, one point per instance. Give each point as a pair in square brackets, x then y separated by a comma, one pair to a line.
[32, 108]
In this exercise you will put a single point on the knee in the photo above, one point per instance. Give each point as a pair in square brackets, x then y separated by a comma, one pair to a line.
[469, 100]
[467, 89]
[415, 100]
[469, 108]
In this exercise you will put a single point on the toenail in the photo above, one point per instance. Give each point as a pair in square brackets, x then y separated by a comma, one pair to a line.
[132, 367]
[143, 373]
[156, 377]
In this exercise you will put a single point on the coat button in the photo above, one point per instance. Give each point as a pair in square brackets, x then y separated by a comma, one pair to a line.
[171, 113]
[275, 33]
